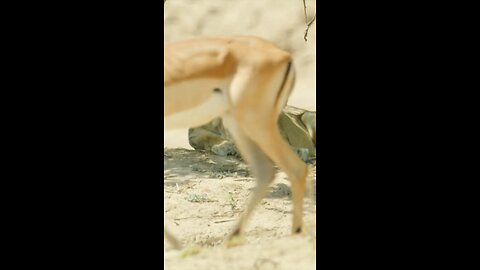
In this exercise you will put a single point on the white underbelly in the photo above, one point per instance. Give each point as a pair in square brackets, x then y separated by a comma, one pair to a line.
[214, 107]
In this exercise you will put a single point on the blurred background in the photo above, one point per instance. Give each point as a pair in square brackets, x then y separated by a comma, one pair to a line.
[280, 21]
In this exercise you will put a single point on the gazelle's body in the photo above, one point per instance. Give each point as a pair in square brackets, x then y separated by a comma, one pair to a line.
[246, 81]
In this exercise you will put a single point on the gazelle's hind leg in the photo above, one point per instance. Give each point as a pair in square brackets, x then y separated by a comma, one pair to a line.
[267, 136]
[260, 164]
[272, 143]
[258, 137]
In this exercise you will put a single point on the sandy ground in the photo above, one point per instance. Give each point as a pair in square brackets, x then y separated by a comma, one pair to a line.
[204, 194]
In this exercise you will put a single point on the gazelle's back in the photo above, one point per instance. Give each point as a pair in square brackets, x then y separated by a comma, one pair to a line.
[216, 57]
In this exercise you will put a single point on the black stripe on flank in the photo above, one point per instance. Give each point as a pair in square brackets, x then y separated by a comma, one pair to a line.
[283, 83]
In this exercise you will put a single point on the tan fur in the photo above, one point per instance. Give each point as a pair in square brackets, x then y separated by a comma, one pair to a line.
[250, 80]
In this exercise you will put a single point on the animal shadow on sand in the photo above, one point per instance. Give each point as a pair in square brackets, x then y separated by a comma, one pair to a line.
[181, 166]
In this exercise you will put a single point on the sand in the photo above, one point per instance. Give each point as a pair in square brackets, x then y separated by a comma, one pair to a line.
[204, 194]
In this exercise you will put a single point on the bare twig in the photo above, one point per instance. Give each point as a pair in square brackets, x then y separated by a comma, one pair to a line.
[308, 27]
[304, 10]
[309, 24]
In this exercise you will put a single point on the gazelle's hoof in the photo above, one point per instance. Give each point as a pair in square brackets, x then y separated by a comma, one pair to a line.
[297, 230]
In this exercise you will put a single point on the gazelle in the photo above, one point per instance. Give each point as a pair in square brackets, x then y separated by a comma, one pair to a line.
[246, 81]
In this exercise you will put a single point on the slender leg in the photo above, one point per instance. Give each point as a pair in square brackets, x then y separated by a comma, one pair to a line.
[272, 144]
[257, 134]
[262, 169]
